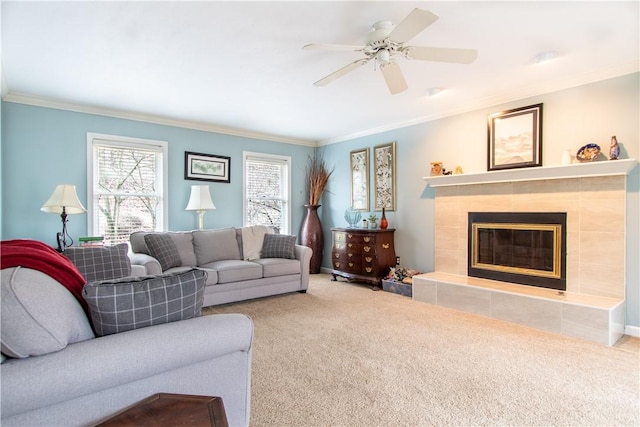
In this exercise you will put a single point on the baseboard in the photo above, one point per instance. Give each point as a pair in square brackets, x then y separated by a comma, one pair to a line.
[634, 331]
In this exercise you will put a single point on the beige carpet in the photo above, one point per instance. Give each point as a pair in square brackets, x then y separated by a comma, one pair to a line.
[344, 355]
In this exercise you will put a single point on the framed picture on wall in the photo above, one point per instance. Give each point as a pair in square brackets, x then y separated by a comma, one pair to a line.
[384, 163]
[207, 167]
[359, 164]
[515, 138]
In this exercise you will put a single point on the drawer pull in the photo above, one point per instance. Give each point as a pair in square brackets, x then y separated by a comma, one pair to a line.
[337, 255]
[385, 246]
[368, 259]
[350, 244]
[337, 265]
[368, 269]
[367, 239]
[350, 264]
[350, 235]
[349, 254]
[367, 248]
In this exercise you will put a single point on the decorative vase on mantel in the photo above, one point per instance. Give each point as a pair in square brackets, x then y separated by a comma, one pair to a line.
[311, 235]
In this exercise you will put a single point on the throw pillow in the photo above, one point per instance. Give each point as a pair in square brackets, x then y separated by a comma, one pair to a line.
[38, 314]
[164, 249]
[101, 263]
[126, 304]
[279, 246]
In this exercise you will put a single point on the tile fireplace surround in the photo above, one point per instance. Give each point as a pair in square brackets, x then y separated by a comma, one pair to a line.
[593, 196]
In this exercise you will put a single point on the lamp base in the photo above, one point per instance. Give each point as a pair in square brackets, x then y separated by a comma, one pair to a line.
[201, 219]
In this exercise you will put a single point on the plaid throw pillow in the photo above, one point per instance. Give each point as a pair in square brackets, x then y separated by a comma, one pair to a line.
[164, 249]
[126, 304]
[278, 246]
[101, 263]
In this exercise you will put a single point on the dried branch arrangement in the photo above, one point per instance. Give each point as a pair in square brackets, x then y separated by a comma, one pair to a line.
[318, 177]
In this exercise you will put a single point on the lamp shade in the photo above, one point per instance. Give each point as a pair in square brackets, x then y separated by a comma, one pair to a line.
[200, 198]
[64, 196]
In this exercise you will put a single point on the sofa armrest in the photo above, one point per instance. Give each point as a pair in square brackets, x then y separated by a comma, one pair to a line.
[107, 362]
[138, 270]
[150, 264]
[303, 254]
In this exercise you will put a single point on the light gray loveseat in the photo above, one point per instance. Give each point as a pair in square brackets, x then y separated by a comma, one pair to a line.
[60, 374]
[237, 260]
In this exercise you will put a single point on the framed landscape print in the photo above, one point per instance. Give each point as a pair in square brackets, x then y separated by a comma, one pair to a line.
[359, 164]
[207, 167]
[515, 138]
[384, 163]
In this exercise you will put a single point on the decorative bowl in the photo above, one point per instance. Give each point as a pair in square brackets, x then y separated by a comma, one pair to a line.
[352, 217]
[587, 153]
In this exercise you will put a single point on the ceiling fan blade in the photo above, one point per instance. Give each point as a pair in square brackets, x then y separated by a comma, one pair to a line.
[412, 24]
[338, 47]
[341, 72]
[441, 54]
[394, 78]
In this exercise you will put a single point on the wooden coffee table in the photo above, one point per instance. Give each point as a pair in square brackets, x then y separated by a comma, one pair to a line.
[166, 409]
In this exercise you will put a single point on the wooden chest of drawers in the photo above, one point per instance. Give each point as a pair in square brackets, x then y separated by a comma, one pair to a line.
[362, 254]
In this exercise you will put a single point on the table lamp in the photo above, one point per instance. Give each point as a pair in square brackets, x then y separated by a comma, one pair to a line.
[200, 200]
[64, 201]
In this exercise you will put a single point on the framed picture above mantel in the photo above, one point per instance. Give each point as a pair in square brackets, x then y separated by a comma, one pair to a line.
[207, 167]
[514, 138]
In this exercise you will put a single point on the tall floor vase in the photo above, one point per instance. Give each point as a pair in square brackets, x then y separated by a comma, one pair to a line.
[311, 235]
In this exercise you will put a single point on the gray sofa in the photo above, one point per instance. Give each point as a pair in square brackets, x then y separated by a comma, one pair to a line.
[238, 265]
[56, 372]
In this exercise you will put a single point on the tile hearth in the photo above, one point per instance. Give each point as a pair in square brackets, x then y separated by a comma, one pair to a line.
[593, 318]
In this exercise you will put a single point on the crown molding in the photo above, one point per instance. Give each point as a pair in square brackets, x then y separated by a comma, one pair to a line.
[516, 95]
[37, 101]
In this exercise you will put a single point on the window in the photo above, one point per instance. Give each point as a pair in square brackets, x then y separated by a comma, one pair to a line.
[126, 186]
[267, 187]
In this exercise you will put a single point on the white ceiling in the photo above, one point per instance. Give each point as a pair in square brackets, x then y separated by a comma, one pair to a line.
[239, 67]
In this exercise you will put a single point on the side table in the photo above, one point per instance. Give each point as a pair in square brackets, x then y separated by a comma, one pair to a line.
[166, 409]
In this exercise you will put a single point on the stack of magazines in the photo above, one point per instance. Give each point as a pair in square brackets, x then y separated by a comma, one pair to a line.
[91, 241]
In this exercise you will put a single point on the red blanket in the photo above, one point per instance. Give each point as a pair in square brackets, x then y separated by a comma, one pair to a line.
[39, 256]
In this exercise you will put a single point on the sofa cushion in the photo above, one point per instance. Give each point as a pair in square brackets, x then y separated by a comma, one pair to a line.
[279, 246]
[163, 248]
[215, 245]
[274, 267]
[39, 315]
[252, 241]
[126, 304]
[184, 243]
[235, 270]
[138, 245]
[101, 263]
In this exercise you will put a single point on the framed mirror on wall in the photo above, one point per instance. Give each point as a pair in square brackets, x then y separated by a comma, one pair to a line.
[384, 164]
[359, 163]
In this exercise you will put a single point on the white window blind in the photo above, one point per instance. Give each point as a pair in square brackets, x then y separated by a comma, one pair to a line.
[127, 186]
[266, 191]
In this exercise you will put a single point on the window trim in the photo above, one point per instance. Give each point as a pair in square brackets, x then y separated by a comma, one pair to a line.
[251, 155]
[128, 142]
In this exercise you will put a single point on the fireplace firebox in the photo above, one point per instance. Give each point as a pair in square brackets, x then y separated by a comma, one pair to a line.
[527, 248]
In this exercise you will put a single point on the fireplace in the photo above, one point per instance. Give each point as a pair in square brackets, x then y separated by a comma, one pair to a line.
[527, 248]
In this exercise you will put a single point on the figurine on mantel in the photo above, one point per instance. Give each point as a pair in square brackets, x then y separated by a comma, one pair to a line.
[614, 150]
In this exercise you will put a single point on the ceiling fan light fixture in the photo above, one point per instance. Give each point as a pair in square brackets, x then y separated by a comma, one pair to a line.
[545, 57]
[383, 56]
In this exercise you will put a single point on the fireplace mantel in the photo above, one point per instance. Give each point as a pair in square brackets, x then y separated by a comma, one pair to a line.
[577, 170]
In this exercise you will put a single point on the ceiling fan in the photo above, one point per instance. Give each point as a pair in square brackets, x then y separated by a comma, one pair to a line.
[386, 41]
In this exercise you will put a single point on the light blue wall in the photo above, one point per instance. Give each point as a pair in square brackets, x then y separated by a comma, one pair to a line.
[43, 147]
[571, 118]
